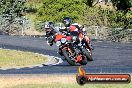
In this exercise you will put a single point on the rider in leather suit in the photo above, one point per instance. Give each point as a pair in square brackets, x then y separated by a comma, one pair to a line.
[75, 28]
[50, 32]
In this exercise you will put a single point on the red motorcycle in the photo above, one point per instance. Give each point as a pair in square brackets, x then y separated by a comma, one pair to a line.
[66, 48]
[82, 43]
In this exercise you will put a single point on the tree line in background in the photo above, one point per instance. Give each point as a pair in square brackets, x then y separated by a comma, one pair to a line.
[11, 12]
[82, 11]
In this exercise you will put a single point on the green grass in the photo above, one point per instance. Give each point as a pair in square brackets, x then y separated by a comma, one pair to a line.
[53, 85]
[12, 58]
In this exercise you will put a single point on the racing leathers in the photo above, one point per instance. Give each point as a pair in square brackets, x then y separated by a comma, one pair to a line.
[50, 36]
[76, 29]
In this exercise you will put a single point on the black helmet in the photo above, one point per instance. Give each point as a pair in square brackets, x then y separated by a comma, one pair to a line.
[67, 21]
[49, 25]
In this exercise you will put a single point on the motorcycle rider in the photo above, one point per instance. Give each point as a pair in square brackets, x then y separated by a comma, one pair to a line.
[74, 29]
[67, 21]
[50, 32]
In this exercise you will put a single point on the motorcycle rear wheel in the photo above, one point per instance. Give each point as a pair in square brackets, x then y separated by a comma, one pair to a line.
[87, 54]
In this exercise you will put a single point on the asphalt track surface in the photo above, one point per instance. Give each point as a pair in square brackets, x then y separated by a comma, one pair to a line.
[109, 57]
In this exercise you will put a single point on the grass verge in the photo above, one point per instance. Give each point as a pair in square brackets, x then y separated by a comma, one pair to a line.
[50, 81]
[13, 58]
[56, 85]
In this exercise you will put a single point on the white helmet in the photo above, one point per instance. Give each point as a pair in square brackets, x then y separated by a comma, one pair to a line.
[48, 25]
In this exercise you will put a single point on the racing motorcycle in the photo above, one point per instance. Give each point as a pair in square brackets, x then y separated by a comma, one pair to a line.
[72, 53]
[81, 43]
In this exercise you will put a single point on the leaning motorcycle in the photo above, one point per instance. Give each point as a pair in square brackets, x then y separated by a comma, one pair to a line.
[81, 42]
[73, 55]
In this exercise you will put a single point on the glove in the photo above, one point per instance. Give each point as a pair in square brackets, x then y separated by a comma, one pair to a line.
[50, 44]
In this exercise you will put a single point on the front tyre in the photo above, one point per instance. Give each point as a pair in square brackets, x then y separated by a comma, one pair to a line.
[87, 54]
[69, 60]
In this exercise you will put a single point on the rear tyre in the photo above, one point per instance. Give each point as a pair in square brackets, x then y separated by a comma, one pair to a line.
[69, 60]
[87, 54]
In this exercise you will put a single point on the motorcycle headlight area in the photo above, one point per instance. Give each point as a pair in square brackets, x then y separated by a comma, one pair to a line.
[63, 40]
[79, 44]
[74, 38]
[58, 43]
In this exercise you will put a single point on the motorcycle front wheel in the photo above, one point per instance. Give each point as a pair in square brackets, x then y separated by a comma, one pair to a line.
[69, 60]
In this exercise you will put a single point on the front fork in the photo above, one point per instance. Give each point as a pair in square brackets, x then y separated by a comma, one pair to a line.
[67, 48]
[74, 54]
[78, 54]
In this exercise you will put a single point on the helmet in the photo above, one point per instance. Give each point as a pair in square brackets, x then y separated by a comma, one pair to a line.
[48, 25]
[67, 21]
